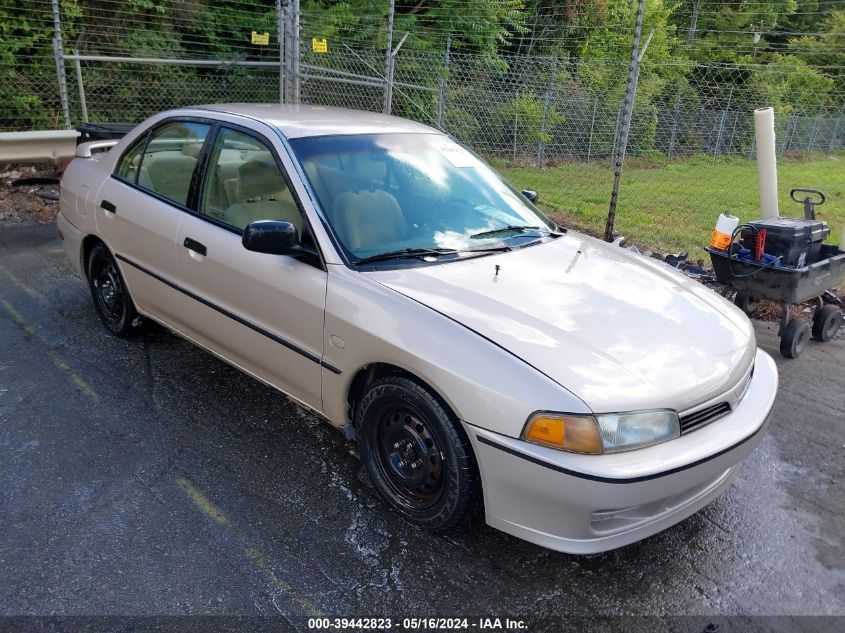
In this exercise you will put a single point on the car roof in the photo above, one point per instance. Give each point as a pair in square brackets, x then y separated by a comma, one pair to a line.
[295, 121]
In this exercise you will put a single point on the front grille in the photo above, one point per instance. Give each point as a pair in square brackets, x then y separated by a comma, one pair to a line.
[693, 421]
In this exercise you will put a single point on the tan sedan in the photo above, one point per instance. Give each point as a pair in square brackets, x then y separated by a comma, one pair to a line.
[379, 273]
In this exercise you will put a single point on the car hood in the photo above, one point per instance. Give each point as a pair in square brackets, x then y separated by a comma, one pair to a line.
[620, 331]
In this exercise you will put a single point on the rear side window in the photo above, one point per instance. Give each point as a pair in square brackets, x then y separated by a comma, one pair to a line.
[131, 160]
[170, 159]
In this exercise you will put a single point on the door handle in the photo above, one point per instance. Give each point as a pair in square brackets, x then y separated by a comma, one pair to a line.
[195, 246]
[108, 206]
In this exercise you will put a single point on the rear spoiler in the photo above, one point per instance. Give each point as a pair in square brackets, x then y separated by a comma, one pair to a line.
[84, 150]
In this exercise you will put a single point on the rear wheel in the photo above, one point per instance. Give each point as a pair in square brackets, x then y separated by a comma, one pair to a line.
[746, 302]
[826, 322]
[109, 292]
[417, 454]
[795, 338]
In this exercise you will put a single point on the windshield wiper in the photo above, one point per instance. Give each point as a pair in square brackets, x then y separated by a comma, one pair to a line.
[505, 229]
[501, 248]
[406, 253]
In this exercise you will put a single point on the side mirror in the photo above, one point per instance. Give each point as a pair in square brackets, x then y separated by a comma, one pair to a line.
[531, 195]
[271, 236]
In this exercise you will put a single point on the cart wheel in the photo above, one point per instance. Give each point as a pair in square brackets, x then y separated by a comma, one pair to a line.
[795, 338]
[746, 302]
[826, 322]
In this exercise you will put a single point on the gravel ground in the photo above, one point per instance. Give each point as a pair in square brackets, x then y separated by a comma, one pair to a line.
[27, 204]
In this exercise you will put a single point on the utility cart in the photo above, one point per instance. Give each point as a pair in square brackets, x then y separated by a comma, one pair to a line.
[806, 269]
[787, 286]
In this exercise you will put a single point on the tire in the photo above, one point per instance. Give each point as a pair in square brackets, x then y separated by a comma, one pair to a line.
[417, 454]
[795, 338]
[826, 322]
[746, 302]
[110, 294]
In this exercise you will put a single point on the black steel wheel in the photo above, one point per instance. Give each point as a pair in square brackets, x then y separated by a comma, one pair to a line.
[417, 454]
[826, 322]
[109, 292]
[746, 302]
[795, 338]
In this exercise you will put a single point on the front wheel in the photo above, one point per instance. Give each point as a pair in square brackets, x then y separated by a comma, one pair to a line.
[417, 454]
[109, 292]
[795, 338]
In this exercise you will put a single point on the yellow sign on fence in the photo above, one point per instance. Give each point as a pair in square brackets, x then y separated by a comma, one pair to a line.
[260, 39]
[319, 45]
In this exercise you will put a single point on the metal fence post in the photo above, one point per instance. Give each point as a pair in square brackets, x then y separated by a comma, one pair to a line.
[83, 104]
[592, 128]
[733, 133]
[833, 136]
[443, 85]
[722, 125]
[630, 94]
[287, 25]
[541, 145]
[58, 48]
[516, 119]
[674, 123]
[297, 77]
[813, 132]
[280, 33]
[388, 62]
[790, 126]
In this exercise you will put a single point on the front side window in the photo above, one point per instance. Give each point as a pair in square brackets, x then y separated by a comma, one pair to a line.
[244, 184]
[170, 159]
[391, 192]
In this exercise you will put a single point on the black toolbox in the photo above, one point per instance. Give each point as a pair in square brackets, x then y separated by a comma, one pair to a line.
[795, 240]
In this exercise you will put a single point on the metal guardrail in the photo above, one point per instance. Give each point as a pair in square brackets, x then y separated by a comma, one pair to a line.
[52, 146]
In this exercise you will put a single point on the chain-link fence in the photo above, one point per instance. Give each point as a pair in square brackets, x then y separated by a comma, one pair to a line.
[551, 124]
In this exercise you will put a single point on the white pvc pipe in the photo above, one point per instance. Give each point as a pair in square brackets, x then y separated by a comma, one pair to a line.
[767, 169]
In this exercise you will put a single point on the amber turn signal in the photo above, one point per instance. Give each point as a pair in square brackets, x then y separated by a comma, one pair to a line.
[567, 433]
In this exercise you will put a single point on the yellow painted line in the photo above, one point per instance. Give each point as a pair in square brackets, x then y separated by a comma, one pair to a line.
[84, 387]
[32, 293]
[57, 360]
[202, 502]
[261, 561]
[17, 318]
[78, 380]
[212, 512]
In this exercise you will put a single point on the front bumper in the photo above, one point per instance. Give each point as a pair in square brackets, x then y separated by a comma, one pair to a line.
[584, 504]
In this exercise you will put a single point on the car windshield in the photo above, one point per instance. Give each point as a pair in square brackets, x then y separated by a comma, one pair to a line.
[412, 194]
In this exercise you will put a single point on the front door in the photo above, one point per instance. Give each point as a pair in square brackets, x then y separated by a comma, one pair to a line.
[262, 312]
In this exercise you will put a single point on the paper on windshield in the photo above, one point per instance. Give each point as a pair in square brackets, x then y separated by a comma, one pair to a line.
[456, 155]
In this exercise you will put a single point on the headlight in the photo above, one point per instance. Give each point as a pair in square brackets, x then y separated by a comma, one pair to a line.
[602, 433]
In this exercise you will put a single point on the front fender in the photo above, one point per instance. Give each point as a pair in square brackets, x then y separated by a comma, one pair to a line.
[484, 384]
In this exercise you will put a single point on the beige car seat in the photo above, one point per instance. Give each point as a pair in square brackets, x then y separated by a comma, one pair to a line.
[368, 219]
[169, 173]
[264, 195]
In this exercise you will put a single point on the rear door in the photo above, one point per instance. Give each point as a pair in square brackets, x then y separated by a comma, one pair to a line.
[262, 312]
[141, 207]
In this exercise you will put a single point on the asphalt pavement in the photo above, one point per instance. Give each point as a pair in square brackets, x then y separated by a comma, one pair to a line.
[146, 477]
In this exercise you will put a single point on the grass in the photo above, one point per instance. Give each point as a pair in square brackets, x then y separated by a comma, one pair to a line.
[673, 206]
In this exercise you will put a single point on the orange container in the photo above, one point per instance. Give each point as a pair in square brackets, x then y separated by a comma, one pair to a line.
[722, 235]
